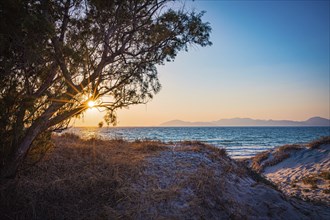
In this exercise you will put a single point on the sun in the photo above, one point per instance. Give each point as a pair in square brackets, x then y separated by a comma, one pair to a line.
[91, 104]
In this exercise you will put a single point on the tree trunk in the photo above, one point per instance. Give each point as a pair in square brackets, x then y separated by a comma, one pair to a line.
[11, 167]
[43, 123]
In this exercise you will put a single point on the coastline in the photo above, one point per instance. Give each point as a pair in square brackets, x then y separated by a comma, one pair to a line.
[238, 141]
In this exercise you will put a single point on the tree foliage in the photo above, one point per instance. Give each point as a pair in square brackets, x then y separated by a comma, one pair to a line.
[56, 55]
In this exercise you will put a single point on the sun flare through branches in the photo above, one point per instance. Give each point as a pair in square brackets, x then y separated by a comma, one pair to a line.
[91, 104]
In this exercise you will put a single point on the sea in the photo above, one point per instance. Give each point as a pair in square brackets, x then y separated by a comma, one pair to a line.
[240, 142]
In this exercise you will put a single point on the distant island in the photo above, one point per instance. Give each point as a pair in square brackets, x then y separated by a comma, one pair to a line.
[314, 121]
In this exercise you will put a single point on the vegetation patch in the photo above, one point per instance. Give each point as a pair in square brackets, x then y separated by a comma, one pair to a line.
[271, 158]
[310, 180]
[304, 174]
[278, 157]
[325, 175]
[258, 159]
[149, 146]
[94, 179]
[72, 175]
[326, 191]
[317, 143]
[290, 147]
[211, 152]
[115, 179]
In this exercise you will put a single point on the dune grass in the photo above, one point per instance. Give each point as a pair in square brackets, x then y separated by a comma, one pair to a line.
[257, 161]
[325, 175]
[310, 180]
[77, 179]
[266, 159]
[94, 179]
[319, 142]
[108, 179]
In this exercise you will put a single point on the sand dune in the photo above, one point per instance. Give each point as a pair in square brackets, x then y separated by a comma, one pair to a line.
[98, 179]
[299, 171]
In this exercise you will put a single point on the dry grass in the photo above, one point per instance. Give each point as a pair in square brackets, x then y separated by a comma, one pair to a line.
[257, 161]
[210, 195]
[278, 157]
[305, 175]
[315, 179]
[148, 146]
[265, 159]
[78, 179]
[289, 147]
[261, 160]
[310, 180]
[196, 146]
[325, 175]
[326, 191]
[271, 158]
[317, 143]
[282, 153]
[98, 179]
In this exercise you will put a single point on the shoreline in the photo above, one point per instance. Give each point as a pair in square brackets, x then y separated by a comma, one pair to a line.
[239, 141]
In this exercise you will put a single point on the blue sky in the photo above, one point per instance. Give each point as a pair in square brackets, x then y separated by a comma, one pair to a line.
[270, 32]
[269, 60]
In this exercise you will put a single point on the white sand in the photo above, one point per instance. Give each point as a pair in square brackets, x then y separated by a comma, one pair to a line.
[289, 174]
[193, 185]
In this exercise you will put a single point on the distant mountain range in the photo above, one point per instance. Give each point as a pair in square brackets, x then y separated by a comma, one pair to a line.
[315, 121]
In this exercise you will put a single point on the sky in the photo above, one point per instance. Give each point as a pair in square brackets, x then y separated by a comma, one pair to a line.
[269, 60]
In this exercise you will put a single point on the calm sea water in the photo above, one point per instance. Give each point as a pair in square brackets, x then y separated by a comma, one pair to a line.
[238, 141]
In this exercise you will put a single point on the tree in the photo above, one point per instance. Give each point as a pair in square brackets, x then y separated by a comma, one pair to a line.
[100, 124]
[57, 55]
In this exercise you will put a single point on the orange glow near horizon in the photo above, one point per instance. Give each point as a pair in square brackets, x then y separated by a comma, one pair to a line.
[275, 68]
[160, 110]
